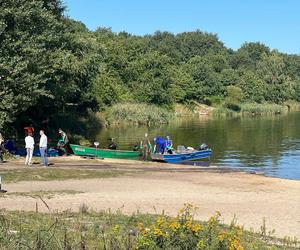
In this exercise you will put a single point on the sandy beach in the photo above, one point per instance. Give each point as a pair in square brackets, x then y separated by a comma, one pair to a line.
[156, 187]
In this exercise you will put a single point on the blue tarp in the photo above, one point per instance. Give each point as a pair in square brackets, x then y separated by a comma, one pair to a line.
[10, 146]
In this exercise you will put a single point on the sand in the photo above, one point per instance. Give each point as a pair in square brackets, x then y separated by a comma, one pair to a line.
[159, 187]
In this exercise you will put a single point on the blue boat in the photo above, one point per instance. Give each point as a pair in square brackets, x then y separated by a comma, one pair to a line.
[163, 151]
[177, 157]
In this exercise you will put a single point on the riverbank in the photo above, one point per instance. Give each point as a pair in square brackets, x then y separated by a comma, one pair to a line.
[145, 114]
[156, 187]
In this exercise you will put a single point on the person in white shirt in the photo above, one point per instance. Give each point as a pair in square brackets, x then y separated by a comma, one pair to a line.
[29, 145]
[1, 139]
[43, 148]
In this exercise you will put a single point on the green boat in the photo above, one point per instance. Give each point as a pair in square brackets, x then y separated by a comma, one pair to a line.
[104, 153]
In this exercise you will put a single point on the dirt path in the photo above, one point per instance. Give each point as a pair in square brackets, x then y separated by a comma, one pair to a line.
[248, 197]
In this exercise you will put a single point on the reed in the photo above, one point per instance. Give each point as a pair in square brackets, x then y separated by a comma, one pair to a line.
[224, 112]
[254, 109]
[137, 113]
[262, 109]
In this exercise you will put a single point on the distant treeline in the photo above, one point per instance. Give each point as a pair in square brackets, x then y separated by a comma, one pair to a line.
[51, 64]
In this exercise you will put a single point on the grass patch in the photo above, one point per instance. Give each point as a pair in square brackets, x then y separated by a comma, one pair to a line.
[42, 193]
[49, 174]
[106, 230]
[137, 113]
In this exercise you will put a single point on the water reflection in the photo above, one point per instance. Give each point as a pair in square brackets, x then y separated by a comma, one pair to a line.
[269, 144]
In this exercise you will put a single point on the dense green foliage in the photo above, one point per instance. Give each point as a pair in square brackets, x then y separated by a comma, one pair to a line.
[51, 64]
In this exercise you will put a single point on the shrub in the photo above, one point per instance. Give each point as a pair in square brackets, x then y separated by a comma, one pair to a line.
[234, 94]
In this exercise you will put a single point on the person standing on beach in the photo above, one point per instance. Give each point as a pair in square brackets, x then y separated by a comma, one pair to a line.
[1, 139]
[43, 148]
[2, 149]
[29, 145]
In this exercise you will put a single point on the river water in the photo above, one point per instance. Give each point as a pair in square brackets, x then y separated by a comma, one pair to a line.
[269, 144]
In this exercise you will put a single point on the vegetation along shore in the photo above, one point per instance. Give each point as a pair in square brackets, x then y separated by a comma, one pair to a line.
[70, 71]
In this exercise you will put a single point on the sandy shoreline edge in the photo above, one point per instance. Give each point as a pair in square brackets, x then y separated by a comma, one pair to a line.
[159, 187]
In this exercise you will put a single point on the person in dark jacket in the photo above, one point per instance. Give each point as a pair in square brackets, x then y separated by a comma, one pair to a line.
[2, 150]
[63, 143]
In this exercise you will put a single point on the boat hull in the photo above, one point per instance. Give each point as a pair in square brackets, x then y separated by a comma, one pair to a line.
[104, 153]
[181, 157]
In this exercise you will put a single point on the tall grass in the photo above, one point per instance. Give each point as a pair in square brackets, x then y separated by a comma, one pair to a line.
[254, 109]
[262, 109]
[224, 112]
[137, 113]
[292, 105]
[106, 230]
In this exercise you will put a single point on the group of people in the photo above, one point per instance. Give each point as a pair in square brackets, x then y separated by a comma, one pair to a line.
[43, 145]
[29, 145]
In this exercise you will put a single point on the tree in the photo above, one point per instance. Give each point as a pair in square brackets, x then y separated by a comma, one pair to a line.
[151, 81]
[254, 88]
[271, 68]
[198, 43]
[248, 55]
[45, 59]
[207, 82]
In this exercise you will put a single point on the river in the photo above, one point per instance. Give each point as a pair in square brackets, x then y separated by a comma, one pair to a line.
[269, 144]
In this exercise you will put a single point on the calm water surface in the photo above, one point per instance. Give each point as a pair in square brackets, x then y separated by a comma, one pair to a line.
[270, 145]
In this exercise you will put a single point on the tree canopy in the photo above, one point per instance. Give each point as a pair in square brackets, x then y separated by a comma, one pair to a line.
[50, 64]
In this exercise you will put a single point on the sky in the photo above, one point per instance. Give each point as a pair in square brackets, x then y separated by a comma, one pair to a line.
[275, 23]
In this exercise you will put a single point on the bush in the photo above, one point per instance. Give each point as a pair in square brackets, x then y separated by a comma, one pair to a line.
[234, 94]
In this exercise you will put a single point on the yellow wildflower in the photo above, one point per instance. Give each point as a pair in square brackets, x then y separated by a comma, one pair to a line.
[188, 224]
[222, 236]
[174, 226]
[235, 245]
[158, 232]
[196, 228]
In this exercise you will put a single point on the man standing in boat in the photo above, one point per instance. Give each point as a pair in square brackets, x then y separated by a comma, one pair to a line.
[63, 142]
[146, 147]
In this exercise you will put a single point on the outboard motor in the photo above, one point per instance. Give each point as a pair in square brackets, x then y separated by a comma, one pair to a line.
[112, 145]
[203, 146]
[136, 147]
